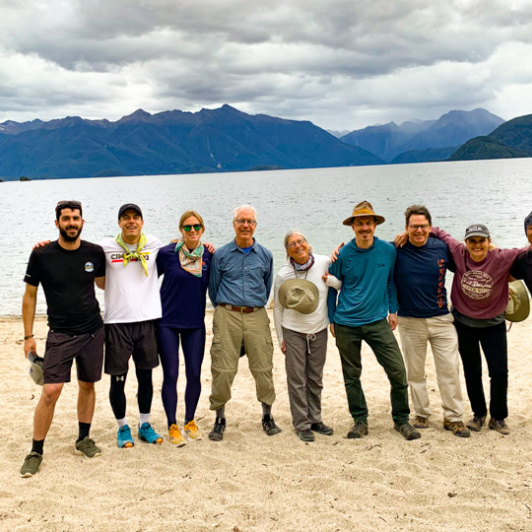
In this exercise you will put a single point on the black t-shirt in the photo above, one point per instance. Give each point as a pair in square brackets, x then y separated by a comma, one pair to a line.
[522, 268]
[67, 277]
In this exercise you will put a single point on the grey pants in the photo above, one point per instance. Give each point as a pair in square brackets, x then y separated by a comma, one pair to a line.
[305, 358]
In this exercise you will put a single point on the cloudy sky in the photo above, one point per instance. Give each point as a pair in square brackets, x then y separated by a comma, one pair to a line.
[343, 64]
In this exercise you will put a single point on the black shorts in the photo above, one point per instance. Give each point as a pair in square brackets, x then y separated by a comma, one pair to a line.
[123, 340]
[62, 348]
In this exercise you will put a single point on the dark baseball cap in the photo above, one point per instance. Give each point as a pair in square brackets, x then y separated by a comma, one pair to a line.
[477, 230]
[129, 207]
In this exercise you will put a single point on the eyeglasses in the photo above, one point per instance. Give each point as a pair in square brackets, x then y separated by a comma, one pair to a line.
[188, 228]
[242, 221]
[298, 242]
[419, 226]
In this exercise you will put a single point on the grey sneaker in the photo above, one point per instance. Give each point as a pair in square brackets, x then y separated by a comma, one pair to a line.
[305, 435]
[31, 465]
[87, 447]
[407, 431]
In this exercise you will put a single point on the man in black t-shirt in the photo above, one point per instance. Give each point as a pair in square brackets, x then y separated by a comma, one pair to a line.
[67, 269]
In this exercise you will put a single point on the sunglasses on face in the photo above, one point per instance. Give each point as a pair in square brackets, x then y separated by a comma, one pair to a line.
[188, 228]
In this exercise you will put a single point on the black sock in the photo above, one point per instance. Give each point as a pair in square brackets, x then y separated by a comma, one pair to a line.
[84, 429]
[266, 409]
[37, 446]
[221, 412]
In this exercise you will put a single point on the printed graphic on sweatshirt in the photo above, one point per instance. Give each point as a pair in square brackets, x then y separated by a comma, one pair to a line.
[477, 285]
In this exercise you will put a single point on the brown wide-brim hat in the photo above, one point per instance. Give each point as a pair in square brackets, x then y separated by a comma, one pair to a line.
[363, 209]
[518, 307]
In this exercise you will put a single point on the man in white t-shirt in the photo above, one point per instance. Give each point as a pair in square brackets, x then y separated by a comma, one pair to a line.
[132, 304]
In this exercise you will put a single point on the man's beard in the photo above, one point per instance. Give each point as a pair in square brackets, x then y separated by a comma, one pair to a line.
[67, 237]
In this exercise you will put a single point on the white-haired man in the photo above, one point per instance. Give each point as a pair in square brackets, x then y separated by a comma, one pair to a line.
[239, 288]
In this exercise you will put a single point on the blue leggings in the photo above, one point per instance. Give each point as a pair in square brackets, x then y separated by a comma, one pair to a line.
[193, 346]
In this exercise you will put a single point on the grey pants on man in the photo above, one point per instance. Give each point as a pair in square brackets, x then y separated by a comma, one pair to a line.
[305, 358]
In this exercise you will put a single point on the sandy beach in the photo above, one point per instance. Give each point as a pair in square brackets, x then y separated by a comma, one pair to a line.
[253, 482]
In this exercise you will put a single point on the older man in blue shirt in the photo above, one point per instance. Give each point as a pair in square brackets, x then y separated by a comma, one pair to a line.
[239, 287]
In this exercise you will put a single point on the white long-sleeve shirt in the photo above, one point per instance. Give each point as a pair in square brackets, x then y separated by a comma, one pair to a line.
[292, 319]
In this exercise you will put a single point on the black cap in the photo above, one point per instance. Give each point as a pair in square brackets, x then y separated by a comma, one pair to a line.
[477, 230]
[129, 207]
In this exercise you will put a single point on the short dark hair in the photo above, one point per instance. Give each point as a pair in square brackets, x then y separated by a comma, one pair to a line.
[68, 204]
[417, 209]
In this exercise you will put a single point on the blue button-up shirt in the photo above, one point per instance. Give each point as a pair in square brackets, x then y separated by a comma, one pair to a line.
[239, 278]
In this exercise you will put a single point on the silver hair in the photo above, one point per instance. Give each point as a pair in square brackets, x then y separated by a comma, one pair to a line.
[245, 206]
[291, 234]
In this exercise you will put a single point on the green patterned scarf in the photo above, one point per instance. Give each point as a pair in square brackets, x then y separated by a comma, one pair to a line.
[190, 260]
[128, 255]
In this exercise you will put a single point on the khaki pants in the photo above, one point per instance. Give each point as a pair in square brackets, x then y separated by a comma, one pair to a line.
[440, 332]
[231, 330]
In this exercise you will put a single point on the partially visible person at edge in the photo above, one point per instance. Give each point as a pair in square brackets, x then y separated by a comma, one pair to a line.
[365, 268]
[67, 269]
[186, 267]
[424, 317]
[303, 337]
[239, 288]
[132, 306]
[479, 296]
[522, 267]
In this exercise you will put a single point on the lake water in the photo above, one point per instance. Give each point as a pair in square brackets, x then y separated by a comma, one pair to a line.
[497, 193]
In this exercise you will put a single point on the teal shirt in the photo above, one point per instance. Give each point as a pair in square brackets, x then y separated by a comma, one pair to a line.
[368, 289]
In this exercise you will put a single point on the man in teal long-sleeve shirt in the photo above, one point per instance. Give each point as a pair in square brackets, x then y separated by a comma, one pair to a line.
[365, 267]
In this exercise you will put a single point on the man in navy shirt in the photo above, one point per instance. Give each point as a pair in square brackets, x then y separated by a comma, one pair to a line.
[239, 288]
[424, 317]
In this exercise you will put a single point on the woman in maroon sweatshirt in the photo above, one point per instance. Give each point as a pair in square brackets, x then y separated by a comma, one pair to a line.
[479, 296]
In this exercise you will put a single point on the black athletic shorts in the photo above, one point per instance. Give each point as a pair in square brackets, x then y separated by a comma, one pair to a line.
[63, 348]
[123, 340]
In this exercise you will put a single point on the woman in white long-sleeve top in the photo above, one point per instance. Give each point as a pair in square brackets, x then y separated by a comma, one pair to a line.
[300, 317]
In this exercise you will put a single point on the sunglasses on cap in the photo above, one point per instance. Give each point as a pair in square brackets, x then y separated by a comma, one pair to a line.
[188, 228]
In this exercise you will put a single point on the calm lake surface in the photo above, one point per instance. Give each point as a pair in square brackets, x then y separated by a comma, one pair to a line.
[497, 193]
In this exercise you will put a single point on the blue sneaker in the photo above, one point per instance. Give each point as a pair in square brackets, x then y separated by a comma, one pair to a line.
[147, 434]
[125, 440]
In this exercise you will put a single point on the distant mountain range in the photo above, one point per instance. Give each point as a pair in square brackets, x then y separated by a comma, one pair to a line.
[511, 139]
[226, 139]
[171, 142]
[389, 141]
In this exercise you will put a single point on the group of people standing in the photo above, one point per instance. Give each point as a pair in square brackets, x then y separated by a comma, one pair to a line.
[364, 291]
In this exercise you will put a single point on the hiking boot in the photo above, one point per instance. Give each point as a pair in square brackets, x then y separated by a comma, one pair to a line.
[87, 447]
[500, 426]
[421, 422]
[147, 434]
[358, 430]
[321, 428]
[31, 465]
[124, 438]
[305, 435]
[269, 426]
[175, 436]
[217, 433]
[407, 431]
[192, 431]
[458, 428]
[476, 423]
